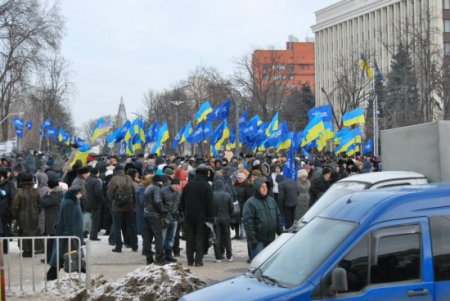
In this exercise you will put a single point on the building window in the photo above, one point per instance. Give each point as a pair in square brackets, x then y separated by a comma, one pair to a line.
[291, 67]
[446, 4]
[447, 48]
[279, 67]
[291, 77]
[265, 77]
[447, 25]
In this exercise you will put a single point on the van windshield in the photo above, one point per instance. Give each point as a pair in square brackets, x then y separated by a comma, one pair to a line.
[336, 191]
[306, 250]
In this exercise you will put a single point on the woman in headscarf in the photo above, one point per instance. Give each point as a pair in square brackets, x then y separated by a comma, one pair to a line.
[303, 186]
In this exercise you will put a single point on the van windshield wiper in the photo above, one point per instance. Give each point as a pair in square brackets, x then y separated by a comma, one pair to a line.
[271, 280]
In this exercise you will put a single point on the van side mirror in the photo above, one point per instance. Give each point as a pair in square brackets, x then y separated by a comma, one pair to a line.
[339, 280]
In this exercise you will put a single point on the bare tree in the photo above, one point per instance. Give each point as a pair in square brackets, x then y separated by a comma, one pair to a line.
[27, 31]
[265, 82]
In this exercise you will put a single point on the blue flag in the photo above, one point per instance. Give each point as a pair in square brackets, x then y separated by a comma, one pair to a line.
[325, 112]
[290, 168]
[222, 111]
[368, 147]
[19, 133]
[18, 123]
[29, 125]
[51, 131]
[306, 153]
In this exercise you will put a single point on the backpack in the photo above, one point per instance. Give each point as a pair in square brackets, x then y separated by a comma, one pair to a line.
[122, 196]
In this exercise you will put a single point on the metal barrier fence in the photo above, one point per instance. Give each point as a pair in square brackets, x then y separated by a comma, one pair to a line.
[57, 240]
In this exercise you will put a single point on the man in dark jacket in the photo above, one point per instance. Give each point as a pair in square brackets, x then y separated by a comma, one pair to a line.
[171, 203]
[94, 199]
[153, 213]
[223, 203]
[121, 188]
[319, 185]
[262, 219]
[197, 207]
[287, 198]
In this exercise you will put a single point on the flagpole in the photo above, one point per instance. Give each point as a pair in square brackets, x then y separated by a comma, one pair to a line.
[375, 119]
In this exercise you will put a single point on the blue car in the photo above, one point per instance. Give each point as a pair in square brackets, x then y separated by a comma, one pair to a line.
[390, 245]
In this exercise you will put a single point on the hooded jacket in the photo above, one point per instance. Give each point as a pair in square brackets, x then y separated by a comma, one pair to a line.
[287, 192]
[153, 206]
[50, 203]
[223, 202]
[262, 219]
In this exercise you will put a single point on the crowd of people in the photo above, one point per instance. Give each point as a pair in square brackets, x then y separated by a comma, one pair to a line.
[163, 199]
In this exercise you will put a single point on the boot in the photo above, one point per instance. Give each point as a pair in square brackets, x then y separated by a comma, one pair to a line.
[176, 253]
[149, 259]
[169, 256]
[160, 260]
[52, 274]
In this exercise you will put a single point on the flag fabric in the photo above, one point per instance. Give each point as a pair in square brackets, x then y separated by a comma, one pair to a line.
[47, 122]
[113, 136]
[221, 134]
[326, 112]
[150, 134]
[378, 74]
[51, 131]
[80, 155]
[177, 139]
[365, 66]
[102, 127]
[132, 130]
[290, 168]
[286, 142]
[313, 130]
[197, 135]
[187, 131]
[161, 137]
[222, 111]
[329, 130]
[368, 147]
[273, 125]
[243, 119]
[354, 117]
[203, 112]
[123, 131]
[19, 133]
[29, 125]
[353, 137]
[306, 153]
[18, 123]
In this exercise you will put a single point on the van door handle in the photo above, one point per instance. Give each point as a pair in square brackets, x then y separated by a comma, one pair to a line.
[423, 292]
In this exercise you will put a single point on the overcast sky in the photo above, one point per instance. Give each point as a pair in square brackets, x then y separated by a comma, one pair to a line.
[125, 47]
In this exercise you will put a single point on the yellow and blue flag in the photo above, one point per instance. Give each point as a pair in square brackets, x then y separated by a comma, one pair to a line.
[286, 141]
[102, 127]
[365, 66]
[177, 139]
[313, 130]
[354, 117]
[203, 112]
[273, 126]
[329, 130]
[187, 131]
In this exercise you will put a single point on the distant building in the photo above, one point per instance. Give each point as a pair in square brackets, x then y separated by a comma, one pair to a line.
[350, 28]
[121, 117]
[293, 66]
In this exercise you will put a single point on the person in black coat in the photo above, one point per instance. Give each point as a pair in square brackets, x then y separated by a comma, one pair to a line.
[197, 207]
[94, 200]
[319, 185]
[287, 198]
[223, 203]
[7, 192]
[243, 191]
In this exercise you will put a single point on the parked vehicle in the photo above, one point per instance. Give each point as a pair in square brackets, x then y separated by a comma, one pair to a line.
[368, 181]
[386, 244]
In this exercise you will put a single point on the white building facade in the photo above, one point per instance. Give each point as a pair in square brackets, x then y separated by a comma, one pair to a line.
[351, 27]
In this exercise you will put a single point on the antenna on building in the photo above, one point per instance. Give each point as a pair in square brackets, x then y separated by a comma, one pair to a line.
[292, 39]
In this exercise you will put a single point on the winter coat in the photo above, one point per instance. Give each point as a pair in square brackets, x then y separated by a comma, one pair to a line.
[262, 218]
[25, 209]
[243, 192]
[94, 193]
[30, 161]
[318, 187]
[80, 181]
[153, 206]
[223, 203]
[42, 180]
[140, 210]
[50, 203]
[303, 199]
[6, 197]
[197, 200]
[69, 223]
[171, 202]
[70, 177]
[287, 192]
[118, 182]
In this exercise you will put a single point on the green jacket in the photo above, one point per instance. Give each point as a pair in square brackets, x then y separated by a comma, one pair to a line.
[262, 219]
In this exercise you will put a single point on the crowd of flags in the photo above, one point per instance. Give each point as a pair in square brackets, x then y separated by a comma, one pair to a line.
[212, 123]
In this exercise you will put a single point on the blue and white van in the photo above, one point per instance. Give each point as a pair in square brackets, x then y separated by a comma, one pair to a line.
[389, 244]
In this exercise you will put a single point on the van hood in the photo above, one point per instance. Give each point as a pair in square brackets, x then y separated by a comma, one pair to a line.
[239, 288]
